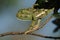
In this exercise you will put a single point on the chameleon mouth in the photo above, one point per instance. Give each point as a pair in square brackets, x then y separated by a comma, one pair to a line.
[22, 17]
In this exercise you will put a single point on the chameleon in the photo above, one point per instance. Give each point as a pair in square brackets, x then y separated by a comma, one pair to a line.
[35, 15]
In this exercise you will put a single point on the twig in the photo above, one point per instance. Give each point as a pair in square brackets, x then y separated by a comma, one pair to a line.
[20, 33]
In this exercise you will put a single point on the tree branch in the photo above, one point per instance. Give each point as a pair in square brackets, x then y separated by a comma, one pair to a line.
[20, 33]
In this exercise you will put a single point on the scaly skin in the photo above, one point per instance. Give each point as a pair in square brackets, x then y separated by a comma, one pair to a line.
[35, 15]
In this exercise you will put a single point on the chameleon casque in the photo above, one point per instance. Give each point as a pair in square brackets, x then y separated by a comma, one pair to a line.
[35, 15]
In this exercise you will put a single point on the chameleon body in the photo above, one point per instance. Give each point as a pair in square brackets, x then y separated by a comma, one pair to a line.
[35, 15]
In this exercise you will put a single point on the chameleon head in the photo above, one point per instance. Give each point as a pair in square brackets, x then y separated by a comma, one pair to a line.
[24, 14]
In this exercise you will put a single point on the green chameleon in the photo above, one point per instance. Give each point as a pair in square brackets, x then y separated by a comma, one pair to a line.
[35, 15]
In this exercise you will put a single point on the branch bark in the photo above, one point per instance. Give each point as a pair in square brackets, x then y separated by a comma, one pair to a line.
[21, 33]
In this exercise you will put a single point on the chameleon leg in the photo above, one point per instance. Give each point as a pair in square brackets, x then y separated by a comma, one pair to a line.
[33, 27]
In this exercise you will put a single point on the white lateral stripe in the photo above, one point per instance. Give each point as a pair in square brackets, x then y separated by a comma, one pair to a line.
[40, 14]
